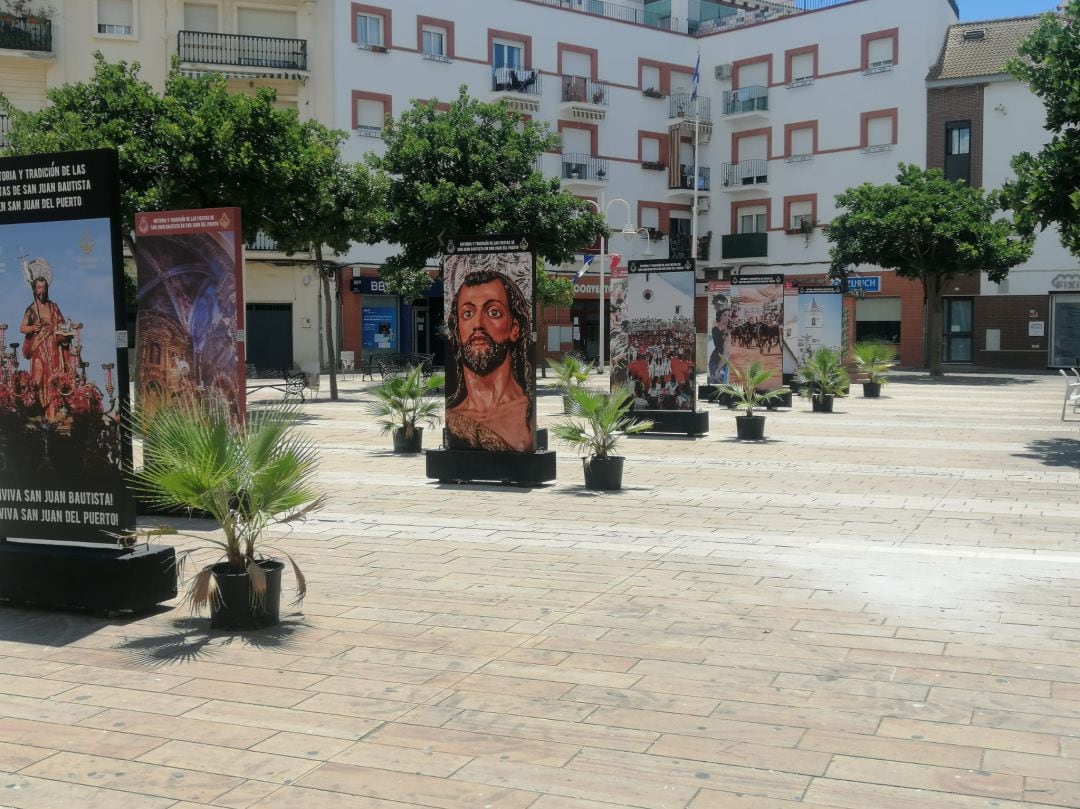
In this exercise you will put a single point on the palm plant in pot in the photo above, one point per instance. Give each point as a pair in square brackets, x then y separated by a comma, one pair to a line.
[570, 372]
[403, 403]
[874, 359]
[597, 423]
[822, 378]
[744, 393]
[247, 477]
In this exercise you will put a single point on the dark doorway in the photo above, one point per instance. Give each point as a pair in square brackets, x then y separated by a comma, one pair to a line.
[270, 335]
[427, 317]
[956, 343]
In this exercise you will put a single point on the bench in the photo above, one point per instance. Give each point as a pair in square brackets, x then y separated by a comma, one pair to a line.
[390, 364]
[290, 383]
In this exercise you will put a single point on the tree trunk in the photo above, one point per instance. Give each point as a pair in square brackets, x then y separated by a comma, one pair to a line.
[328, 309]
[932, 287]
[541, 341]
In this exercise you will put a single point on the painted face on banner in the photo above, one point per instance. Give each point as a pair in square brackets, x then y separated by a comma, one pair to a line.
[486, 328]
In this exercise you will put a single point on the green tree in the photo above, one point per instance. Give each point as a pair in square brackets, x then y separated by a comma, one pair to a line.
[928, 229]
[331, 203]
[471, 169]
[1045, 191]
[551, 290]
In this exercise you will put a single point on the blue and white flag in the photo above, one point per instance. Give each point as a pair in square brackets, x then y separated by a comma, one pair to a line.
[585, 262]
[696, 79]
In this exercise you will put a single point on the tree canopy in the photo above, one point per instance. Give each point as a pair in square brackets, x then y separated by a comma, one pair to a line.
[925, 228]
[471, 168]
[1046, 190]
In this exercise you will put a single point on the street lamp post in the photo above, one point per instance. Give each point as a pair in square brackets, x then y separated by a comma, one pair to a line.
[630, 232]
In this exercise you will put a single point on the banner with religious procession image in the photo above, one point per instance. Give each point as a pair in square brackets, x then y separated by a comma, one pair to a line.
[755, 324]
[190, 307]
[719, 308]
[655, 336]
[63, 367]
[821, 320]
[490, 383]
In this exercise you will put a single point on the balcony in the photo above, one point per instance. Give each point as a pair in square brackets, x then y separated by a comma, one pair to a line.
[683, 185]
[746, 102]
[519, 87]
[745, 245]
[584, 99]
[269, 57]
[583, 171]
[689, 114]
[744, 176]
[263, 244]
[613, 11]
[25, 33]
[679, 246]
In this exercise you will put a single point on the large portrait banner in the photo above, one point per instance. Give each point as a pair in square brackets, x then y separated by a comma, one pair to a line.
[657, 339]
[821, 320]
[63, 363]
[490, 383]
[756, 322]
[191, 307]
[719, 296]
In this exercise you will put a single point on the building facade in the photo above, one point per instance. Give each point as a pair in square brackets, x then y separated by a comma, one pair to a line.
[978, 118]
[792, 107]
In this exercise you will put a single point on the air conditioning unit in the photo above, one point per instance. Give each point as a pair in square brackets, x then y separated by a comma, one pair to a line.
[703, 205]
[723, 72]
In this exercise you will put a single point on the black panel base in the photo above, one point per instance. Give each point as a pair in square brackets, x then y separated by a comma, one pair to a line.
[707, 392]
[462, 465]
[100, 579]
[690, 422]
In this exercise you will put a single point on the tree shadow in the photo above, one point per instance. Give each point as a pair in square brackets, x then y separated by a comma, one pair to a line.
[191, 638]
[1054, 452]
[55, 627]
[965, 379]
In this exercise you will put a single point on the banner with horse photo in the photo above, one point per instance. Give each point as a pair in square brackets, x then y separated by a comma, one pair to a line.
[755, 324]
[191, 307]
[63, 364]
[658, 339]
[490, 382]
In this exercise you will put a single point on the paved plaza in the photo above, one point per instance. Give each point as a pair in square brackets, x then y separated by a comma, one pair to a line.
[876, 609]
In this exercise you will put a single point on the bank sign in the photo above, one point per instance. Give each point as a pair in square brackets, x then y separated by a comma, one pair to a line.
[863, 283]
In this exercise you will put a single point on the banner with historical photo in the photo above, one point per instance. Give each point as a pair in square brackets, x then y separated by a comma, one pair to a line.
[656, 335]
[63, 367]
[719, 296]
[755, 324]
[490, 383]
[821, 320]
[191, 307]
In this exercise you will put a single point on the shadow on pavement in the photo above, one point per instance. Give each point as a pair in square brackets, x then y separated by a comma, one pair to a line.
[1054, 452]
[963, 379]
[192, 639]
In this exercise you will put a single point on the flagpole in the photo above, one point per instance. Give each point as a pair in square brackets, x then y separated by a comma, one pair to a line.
[694, 103]
[603, 260]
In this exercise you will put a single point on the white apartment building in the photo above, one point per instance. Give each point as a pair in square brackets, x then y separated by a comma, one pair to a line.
[254, 44]
[793, 107]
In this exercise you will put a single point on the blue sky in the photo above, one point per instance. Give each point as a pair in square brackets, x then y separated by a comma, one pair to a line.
[991, 9]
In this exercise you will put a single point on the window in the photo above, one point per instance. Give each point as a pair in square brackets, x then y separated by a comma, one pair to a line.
[802, 69]
[266, 23]
[802, 144]
[879, 51]
[877, 319]
[434, 43]
[753, 223]
[650, 150]
[369, 31]
[958, 151]
[199, 17]
[879, 130]
[802, 215]
[370, 111]
[116, 17]
[650, 78]
[508, 54]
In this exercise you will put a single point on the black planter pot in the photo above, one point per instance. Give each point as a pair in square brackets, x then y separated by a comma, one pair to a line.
[236, 609]
[404, 444]
[871, 390]
[603, 473]
[750, 428]
[822, 402]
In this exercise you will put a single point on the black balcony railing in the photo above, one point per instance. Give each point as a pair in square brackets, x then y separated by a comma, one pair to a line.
[579, 88]
[262, 243]
[679, 246]
[516, 80]
[745, 172]
[577, 166]
[745, 245]
[242, 50]
[614, 11]
[686, 178]
[25, 33]
[681, 105]
[746, 99]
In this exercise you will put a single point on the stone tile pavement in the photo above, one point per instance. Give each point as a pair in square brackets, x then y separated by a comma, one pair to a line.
[876, 609]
